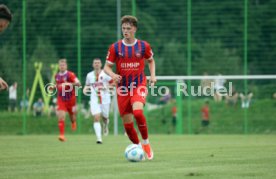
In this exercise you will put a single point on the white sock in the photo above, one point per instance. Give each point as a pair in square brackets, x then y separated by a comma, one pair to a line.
[145, 141]
[98, 130]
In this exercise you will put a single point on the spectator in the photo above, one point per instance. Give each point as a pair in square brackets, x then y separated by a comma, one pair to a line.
[233, 99]
[205, 118]
[218, 85]
[174, 115]
[166, 98]
[38, 107]
[3, 84]
[12, 97]
[52, 107]
[246, 99]
[274, 97]
[205, 84]
[162, 101]
[5, 18]
[205, 115]
[25, 103]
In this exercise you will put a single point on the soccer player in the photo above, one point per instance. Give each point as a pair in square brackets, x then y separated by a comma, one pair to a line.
[98, 82]
[130, 55]
[5, 19]
[205, 120]
[66, 98]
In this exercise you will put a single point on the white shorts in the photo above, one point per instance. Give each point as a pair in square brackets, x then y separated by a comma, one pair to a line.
[100, 108]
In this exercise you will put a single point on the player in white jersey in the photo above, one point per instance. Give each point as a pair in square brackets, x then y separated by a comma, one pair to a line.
[98, 83]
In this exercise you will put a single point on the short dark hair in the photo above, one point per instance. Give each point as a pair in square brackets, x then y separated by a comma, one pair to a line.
[5, 13]
[129, 19]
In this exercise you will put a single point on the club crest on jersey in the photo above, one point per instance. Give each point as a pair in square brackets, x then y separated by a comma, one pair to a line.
[121, 54]
[138, 54]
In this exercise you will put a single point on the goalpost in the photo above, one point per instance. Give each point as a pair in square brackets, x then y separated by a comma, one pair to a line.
[172, 81]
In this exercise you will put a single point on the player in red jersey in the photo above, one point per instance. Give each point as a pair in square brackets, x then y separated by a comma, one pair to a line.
[66, 98]
[130, 55]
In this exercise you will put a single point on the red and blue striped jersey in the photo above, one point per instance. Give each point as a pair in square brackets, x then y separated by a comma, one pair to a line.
[130, 61]
[60, 78]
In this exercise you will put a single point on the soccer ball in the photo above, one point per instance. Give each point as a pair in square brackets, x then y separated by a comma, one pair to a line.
[134, 153]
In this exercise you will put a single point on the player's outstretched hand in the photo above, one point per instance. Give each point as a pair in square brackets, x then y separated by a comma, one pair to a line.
[116, 78]
[152, 80]
[3, 84]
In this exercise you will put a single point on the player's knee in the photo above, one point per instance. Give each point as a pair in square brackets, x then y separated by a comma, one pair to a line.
[138, 114]
[127, 118]
[60, 116]
[97, 118]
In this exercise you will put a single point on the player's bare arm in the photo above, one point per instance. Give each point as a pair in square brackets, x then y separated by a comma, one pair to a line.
[76, 82]
[151, 63]
[108, 70]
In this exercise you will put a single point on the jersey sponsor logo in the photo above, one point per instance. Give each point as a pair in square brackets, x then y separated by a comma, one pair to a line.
[130, 65]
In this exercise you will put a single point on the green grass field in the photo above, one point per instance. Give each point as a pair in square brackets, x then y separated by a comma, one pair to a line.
[199, 156]
[224, 120]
